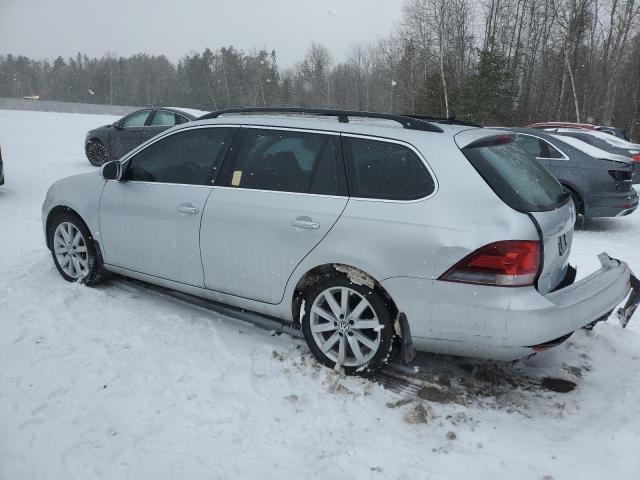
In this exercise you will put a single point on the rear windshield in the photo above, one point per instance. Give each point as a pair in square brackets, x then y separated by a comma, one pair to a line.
[515, 175]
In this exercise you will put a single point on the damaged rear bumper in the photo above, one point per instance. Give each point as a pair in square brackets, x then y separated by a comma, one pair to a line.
[506, 324]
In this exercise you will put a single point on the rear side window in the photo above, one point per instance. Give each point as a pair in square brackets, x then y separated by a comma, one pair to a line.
[166, 118]
[387, 171]
[537, 148]
[549, 151]
[531, 145]
[190, 157]
[287, 161]
[506, 166]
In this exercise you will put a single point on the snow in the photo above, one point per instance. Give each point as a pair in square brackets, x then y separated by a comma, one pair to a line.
[590, 150]
[607, 137]
[118, 382]
[191, 111]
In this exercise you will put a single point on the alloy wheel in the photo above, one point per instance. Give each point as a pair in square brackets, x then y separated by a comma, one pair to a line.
[345, 326]
[97, 153]
[70, 249]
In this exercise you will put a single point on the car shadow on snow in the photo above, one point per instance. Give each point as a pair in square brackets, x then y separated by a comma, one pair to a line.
[436, 378]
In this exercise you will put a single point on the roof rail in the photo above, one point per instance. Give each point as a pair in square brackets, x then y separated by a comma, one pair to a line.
[406, 121]
[452, 120]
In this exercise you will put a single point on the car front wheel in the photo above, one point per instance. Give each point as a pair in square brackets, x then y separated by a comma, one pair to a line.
[74, 253]
[347, 324]
[96, 153]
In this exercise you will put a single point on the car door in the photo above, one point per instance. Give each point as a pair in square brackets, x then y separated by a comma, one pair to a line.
[150, 219]
[282, 193]
[129, 133]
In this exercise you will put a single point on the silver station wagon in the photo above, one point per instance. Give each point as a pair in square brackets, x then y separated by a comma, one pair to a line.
[371, 232]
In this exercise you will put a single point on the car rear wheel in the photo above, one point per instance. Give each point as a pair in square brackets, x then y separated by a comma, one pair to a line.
[347, 324]
[74, 253]
[577, 201]
[96, 153]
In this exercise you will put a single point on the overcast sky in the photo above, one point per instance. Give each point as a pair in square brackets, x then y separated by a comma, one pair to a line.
[48, 28]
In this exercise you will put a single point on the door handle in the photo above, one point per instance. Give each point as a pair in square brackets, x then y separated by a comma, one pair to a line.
[305, 222]
[188, 209]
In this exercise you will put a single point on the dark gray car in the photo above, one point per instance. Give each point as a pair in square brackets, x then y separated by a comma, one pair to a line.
[596, 139]
[111, 142]
[600, 183]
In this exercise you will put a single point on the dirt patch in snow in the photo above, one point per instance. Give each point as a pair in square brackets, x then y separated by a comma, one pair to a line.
[457, 381]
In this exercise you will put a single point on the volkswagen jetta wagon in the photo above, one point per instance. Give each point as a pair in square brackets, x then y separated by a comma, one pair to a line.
[366, 230]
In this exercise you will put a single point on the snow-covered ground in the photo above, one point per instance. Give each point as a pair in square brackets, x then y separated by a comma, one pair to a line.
[118, 382]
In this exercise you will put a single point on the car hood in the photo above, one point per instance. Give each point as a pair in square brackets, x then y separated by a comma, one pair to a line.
[99, 129]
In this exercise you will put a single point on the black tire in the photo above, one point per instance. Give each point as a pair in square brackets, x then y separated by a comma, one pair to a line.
[577, 201]
[96, 153]
[95, 272]
[377, 302]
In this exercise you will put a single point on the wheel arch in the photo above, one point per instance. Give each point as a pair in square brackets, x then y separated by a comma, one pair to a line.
[355, 274]
[576, 191]
[59, 209]
[103, 138]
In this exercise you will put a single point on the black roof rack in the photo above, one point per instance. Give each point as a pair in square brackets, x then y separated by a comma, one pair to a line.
[411, 123]
[452, 120]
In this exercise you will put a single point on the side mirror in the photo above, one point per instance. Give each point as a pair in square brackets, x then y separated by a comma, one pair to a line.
[112, 170]
[117, 124]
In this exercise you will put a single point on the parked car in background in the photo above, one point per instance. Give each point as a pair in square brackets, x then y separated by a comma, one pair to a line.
[354, 230]
[111, 142]
[600, 182]
[1, 169]
[617, 132]
[606, 142]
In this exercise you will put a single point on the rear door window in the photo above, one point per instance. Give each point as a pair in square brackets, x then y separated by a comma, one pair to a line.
[287, 161]
[386, 171]
[505, 164]
[165, 118]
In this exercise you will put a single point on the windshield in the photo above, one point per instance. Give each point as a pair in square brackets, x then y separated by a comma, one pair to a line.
[514, 174]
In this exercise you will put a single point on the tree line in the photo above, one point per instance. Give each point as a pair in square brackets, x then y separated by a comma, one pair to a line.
[489, 61]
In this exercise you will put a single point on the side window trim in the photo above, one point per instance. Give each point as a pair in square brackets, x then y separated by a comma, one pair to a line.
[349, 168]
[126, 162]
[231, 159]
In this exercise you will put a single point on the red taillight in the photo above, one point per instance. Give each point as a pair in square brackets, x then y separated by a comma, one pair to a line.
[636, 157]
[512, 263]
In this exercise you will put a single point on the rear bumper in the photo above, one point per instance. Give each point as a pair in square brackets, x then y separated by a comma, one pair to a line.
[505, 323]
[615, 204]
